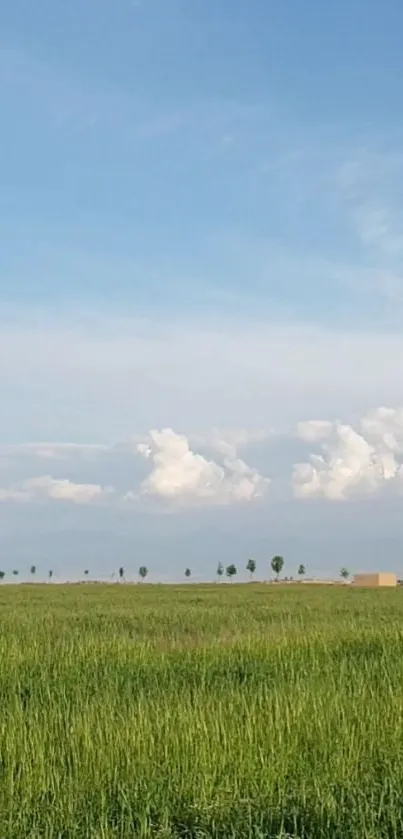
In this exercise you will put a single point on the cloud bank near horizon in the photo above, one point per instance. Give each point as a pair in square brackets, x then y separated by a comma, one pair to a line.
[164, 469]
[92, 377]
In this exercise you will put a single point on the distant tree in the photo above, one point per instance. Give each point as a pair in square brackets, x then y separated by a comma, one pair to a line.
[121, 573]
[344, 573]
[50, 574]
[230, 571]
[2, 575]
[33, 569]
[277, 565]
[16, 572]
[251, 567]
[143, 571]
[301, 570]
[188, 573]
[86, 572]
[220, 570]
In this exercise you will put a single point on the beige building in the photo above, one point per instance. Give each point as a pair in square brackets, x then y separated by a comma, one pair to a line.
[383, 578]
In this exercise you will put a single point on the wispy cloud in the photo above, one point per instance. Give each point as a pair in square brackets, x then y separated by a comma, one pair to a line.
[375, 210]
[53, 451]
[73, 106]
[85, 376]
[45, 488]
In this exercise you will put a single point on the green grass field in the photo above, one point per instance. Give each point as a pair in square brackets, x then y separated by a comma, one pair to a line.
[217, 711]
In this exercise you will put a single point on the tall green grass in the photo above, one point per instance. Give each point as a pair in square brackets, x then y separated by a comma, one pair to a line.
[221, 711]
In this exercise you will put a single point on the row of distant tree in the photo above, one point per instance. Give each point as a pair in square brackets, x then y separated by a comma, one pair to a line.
[230, 571]
[32, 571]
[277, 565]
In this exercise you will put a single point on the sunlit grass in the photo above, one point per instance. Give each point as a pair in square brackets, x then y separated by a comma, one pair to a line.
[221, 711]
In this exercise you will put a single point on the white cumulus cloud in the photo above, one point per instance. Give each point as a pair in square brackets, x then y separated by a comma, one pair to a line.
[385, 426]
[181, 474]
[349, 460]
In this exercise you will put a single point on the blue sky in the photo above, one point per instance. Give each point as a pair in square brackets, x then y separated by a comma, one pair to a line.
[201, 231]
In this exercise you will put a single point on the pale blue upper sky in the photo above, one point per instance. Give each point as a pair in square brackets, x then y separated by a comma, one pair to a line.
[172, 154]
[201, 227]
